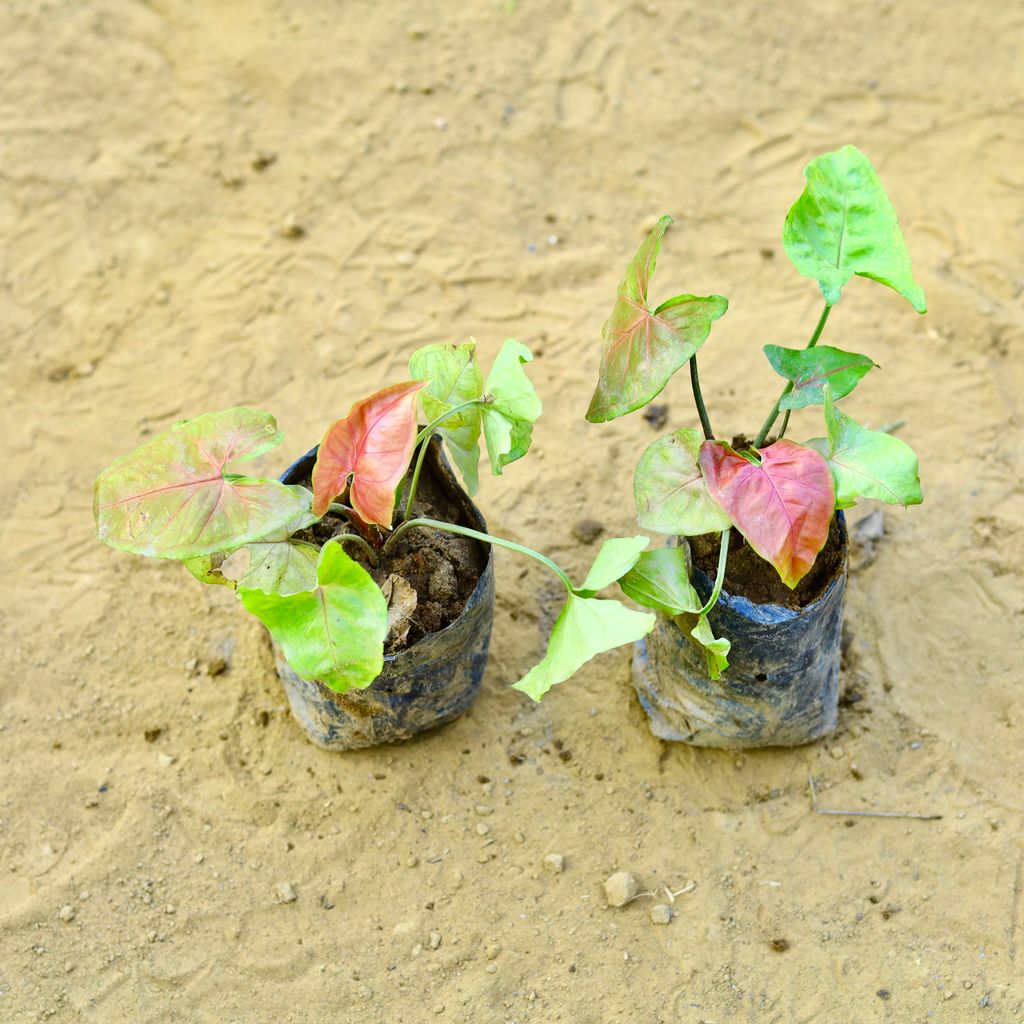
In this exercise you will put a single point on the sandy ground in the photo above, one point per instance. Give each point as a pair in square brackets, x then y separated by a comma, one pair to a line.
[215, 203]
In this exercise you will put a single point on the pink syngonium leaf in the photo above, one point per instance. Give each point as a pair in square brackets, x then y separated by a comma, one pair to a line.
[644, 347]
[371, 446]
[783, 506]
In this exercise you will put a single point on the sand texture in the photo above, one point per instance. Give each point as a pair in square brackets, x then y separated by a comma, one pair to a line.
[216, 203]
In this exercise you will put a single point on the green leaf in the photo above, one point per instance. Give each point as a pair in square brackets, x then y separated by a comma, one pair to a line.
[509, 417]
[585, 627]
[278, 563]
[810, 369]
[660, 580]
[334, 633]
[616, 557]
[867, 463]
[715, 651]
[669, 490]
[844, 224]
[454, 378]
[174, 498]
[645, 347]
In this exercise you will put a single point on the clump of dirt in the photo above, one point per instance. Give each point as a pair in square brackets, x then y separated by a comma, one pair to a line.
[748, 575]
[442, 568]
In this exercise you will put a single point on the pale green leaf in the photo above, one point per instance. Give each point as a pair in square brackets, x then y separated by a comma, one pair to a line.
[616, 557]
[334, 633]
[669, 489]
[173, 497]
[586, 627]
[867, 463]
[810, 369]
[844, 224]
[513, 408]
[454, 378]
[660, 580]
[716, 651]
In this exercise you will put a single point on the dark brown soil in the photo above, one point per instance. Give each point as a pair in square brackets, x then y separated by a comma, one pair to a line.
[443, 568]
[747, 574]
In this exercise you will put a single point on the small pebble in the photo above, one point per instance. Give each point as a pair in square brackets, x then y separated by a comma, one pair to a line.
[164, 760]
[837, 752]
[661, 913]
[555, 863]
[435, 940]
[483, 810]
[199, 858]
[286, 893]
[291, 228]
[67, 913]
[412, 861]
[482, 828]
[586, 531]
[620, 888]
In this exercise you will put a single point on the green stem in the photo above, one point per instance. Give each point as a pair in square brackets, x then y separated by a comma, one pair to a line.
[770, 422]
[698, 398]
[343, 510]
[785, 424]
[423, 441]
[343, 538]
[485, 538]
[723, 557]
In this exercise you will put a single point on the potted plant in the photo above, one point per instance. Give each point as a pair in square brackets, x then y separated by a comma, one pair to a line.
[746, 652]
[380, 613]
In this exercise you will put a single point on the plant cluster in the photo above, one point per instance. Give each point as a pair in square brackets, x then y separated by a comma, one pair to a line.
[177, 496]
[779, 494]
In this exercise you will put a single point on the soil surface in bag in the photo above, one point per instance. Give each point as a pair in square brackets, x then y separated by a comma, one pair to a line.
[748, 575]
[442, 568]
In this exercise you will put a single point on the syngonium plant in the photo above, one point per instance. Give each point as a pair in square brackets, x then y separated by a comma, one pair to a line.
[178, 496]
[779, 494]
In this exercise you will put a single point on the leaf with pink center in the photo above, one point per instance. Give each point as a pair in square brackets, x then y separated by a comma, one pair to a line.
[644, 347]
[371, 447]
[782, 504]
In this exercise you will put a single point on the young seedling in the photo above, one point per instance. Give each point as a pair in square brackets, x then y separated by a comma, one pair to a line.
[177, 497]
[779, 494]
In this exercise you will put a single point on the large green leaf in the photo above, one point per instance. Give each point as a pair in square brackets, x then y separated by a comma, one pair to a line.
[585, 627]
[454, 378]
[334, 633]
[716, 651]
[810, 369]
[660, 580]
[844, 224]
[616, 557]
[278, 563]
[669, 489]
[867, 463]
[514, 405]
[645, 347]
[174, 498]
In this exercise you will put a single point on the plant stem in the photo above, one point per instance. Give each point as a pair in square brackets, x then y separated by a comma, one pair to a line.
[341, 538]
[423, 441]
[465, 531]
[723, 558]
[785, 424]
[770, 422]
[698, 399]
[340, 509]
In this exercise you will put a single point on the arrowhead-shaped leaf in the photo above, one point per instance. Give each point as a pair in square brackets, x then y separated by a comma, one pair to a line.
[513, 408]
[616, 557]
[372, 445]
[278, 564]
[453, 377]
[867, 463]
[716, 651]
[173, 498]
[669, 488]
[334, 633]
[844, 224]
[660, 580]
[810, 369]
[585, 627]
[644, 347]
[783, 506]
